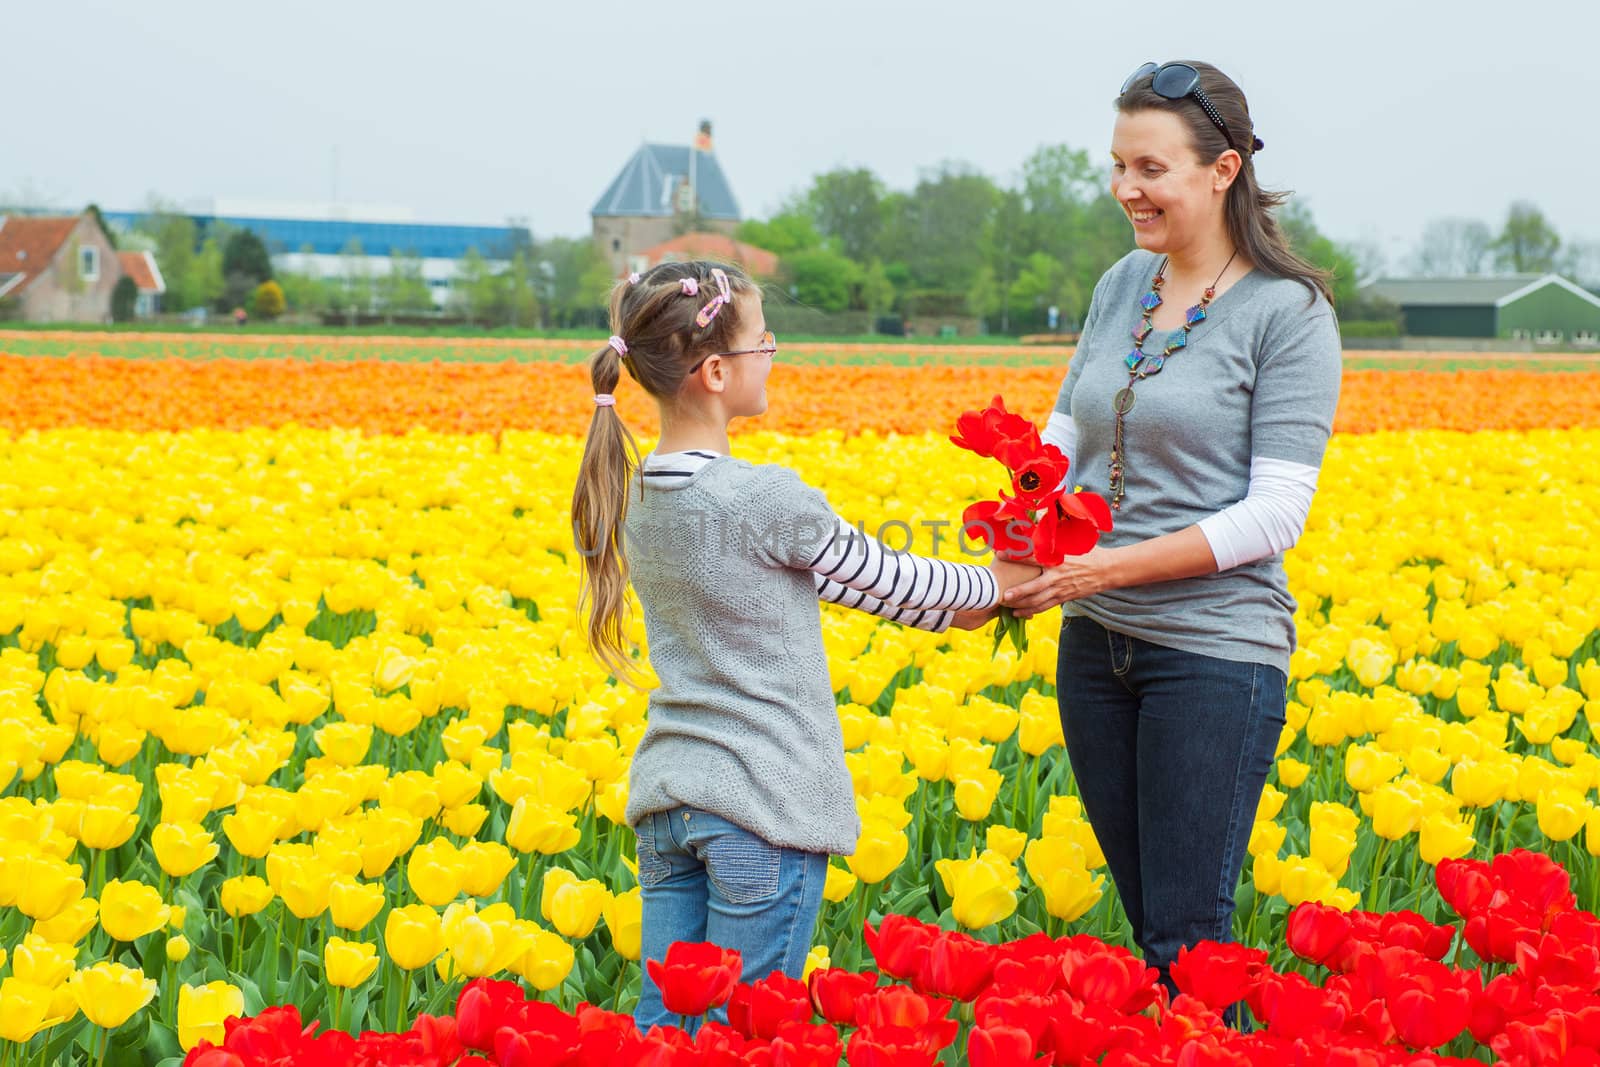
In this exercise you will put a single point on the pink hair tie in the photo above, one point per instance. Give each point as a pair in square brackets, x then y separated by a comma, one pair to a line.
[604, 400]
[633, 279]
[619, 344]
[691, 287]
[714, 308]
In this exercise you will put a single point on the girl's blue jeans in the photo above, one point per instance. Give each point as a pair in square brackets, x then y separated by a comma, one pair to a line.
[703, 878]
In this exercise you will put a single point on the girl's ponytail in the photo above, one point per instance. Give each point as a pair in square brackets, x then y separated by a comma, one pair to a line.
[599, 506]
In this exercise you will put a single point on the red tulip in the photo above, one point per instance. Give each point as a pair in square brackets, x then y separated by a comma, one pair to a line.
[1319, 933]
[1219, 974]
[806, 1045]
[891, 1046]
[956, 966]
[1016, 1011]
[1036, 474]
[1003, 527]
[205, 1054]
[761, 1008]
[899, 944]
[1410, 930]
[1495, 933]
[985, 432]
[483, 1007]
[899, 1006]
[537, 1047]
[1070, 527]
[1001, 1046]
[1466, 885]
[834, 992]
[1112, 977]
[1536, 881]
[1294, 1008]
[695, 977]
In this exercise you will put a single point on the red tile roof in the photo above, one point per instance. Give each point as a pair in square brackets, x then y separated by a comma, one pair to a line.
[141, 267]
[702, 245]
[29, 243]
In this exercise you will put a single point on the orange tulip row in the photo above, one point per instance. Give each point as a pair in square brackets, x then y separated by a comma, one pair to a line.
[390, 397]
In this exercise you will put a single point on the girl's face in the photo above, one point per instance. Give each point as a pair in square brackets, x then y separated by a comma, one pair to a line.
[1174, 201]
[750, 360]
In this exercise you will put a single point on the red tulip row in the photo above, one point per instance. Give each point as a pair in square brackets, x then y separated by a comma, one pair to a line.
[1386, 997]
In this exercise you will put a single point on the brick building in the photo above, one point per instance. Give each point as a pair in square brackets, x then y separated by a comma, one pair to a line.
[56, 268]
[661, 192]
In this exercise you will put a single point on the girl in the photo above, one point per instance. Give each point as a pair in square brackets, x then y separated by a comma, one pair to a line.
[1206, 432]
[738, 791]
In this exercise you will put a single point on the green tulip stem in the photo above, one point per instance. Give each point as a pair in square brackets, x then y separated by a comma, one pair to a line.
[1377, 868]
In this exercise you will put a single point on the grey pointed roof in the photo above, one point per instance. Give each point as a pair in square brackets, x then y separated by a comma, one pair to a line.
[645, 184]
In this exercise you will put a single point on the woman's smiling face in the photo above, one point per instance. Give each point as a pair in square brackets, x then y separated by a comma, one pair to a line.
[1168, 194]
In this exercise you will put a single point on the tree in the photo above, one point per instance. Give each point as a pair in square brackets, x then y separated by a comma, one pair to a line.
[522, 300]
[477, 292]
[943, 224]
[267, 301]
[356, 291]
[573, 281]
[1452, 247]
[1311, 244]
[206, 275]
[123, 298]
[244, 254]
[1003, 254]
[1527, 242]
[1580, 262]
[784, 234]
[846, 206]
[404, 290]
[175, 240]
[822, 279]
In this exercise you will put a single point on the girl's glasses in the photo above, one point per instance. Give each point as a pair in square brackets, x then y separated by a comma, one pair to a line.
[767, 346]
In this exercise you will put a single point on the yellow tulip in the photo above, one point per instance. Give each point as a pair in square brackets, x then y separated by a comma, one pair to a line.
[1395, 813]
[104, 826]
[1303, 879]
[817, 958]
[1443, 836]
[470, 944]
[1006, 841]
[879, 851]
[1367, 767]
[352, 905]
[465, 820]
[109, 994]
[1266, 836]
[434, 872]
[24, 1009]
[1562, 813]
[305, 887]
[839, 885]
[203, 1010]
[975, 794]
[47, 887]
[349, 963]
[252, 831]
[1291, 772]
[129, 910]
[982, 889]
[245, 894]
[182, 848]
[413, 936]
[346, 743]
[178, 948]
[69, 925]
[42, 963]
[570, 905]
[547, 961]
[624, 919]
[536, 827]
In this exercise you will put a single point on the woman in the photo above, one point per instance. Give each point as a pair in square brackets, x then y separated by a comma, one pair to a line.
[1199, 403]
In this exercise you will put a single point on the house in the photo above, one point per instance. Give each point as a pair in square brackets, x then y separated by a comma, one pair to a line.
[663, 190]
[757, 262]
[56, 268]
[1542, 308]
[141, 267]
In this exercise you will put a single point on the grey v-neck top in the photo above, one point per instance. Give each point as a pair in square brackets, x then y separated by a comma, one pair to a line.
[1258, 378]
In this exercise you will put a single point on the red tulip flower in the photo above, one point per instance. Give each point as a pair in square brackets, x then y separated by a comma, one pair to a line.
[806, 1045]
[988, 432]
[761, 1008]
[1001, 1046]
[695, 977]
[1218, 974]
[899, 944]
[956, 966]
[1113, 978]
[1319, 933]
[834, 992]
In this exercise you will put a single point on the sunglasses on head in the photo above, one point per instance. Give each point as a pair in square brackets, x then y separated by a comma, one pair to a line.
[1174, 81]
[766, 346]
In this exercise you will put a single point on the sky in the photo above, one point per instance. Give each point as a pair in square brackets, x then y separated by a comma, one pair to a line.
[1380, 115]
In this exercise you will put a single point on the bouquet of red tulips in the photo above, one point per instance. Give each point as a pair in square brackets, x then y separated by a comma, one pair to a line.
[1041, 521]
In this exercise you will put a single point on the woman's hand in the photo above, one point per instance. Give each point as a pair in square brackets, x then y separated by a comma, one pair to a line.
[973, 620]
[1076, 577]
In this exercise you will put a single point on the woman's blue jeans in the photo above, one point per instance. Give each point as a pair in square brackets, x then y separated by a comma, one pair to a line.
[703, 878]
[1170, 750]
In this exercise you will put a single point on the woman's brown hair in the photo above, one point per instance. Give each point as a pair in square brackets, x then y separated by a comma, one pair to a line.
[1248, 208]
[655, 317]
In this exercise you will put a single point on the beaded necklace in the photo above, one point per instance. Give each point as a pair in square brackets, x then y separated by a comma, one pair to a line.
[1142, 366]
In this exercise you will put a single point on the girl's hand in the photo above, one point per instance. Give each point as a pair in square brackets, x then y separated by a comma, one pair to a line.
[973, 620]
[1009, 574]
[1077, 576]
